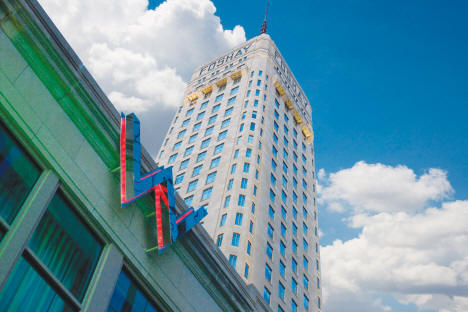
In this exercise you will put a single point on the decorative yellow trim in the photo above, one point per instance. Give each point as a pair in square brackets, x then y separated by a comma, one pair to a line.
[288, 103]
[236, 75]
[280, 88]
[221, 82]
[192, 97]
[307, 133]
[207, 89]
[297, 117]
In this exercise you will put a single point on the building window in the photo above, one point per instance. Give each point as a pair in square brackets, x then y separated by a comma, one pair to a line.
[294, 229]
[211, 177]
[241, 200]
[172, 158]
[244, 183]
[238, 220]
[305, 280]
[201, 156]
[192, 186]
[206, 193]
[188, 151]
[252, 209]
[304, 228]
[257, 92]
[219, 97]
[251, 227]
[283, 229]
[295, 183]
[282, 268]
[176, 146]
[236, 153]
[270, 230]
[271, 212]
[60, 234]
[246, 271]
[233, 260]
[189, 112]
[250, 139]
[294, 265]
[219, 240]
[197, 170]
[266, 295]
[218, 149]
[273, 165]
[222, 135]
[281, 290]
[196, 127]
[249, 245]
[269, 250]
[228, 111]
[212, 119]
[295, 197]
[275, 151]
[231, 101]
[215, 162]
[294, 246]
[184, 164]
[272, 196]
[305, 262]
[234, 90]
[294, 285]
[284, 197]
[181, 134]
[252, 126]
[193, 138]
[179, 178]
[282, 248]
[209, 131]
[128, 296]
[235, 239]
[205, 143]
[233, 168]
[216, 108]
[227, 200]
[246, 167]
[305, 245]
[267, 272]
[223, 220]
[201, 115]
[231, 181]
[188, 200]
[225, 123]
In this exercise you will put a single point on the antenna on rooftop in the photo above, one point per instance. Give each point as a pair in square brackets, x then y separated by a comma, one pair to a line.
[264, 25]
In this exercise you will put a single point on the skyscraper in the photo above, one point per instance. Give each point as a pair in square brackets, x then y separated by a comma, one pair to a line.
[241, 144]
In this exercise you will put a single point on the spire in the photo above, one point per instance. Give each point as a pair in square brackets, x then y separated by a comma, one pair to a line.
[264, 25]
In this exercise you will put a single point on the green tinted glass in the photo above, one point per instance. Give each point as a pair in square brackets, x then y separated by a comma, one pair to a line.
[64, 244]
[26, 290]
[17, 176]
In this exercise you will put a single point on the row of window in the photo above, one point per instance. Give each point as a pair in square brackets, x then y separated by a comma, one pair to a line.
[61, 254]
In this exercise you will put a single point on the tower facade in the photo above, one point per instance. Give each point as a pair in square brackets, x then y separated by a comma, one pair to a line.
[241, 144]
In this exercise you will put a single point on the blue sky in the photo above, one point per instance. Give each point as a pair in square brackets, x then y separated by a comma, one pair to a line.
[387, 81]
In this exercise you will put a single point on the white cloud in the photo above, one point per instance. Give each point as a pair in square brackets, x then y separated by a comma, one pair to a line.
[416, 253]
[379, 188]
[142, 58]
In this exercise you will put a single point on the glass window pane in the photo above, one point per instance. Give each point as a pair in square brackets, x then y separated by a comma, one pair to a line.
[64, 245]
[26, 290]
[127, 297]
[17, 176]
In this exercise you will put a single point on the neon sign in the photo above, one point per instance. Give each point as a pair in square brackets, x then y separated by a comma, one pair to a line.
[133, 186]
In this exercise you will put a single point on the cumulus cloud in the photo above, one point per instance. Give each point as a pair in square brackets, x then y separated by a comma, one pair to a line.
[406, 247]
[143, 58]
[381, 188]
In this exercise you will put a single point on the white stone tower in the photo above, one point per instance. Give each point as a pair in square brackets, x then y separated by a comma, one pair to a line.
[241, 144]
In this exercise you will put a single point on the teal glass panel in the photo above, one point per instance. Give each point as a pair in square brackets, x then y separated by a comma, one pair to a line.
[17, 176]
[127, 297]
[64, 245]
[26, 290]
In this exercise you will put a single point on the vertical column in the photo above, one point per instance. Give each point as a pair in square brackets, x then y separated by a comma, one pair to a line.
[102, 285]
[31, 212]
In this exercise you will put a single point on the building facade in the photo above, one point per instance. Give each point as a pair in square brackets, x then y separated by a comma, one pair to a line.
[65, 242]
[241, 144]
